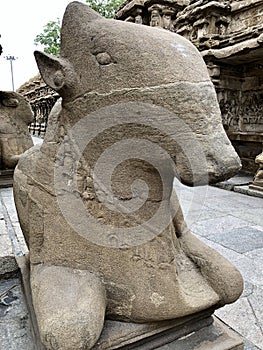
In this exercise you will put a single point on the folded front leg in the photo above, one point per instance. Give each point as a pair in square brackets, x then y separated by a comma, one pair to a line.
[69, 305]
[222, 276]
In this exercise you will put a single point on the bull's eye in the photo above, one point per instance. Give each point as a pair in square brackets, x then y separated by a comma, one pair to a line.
[10, 102]
[103, 58]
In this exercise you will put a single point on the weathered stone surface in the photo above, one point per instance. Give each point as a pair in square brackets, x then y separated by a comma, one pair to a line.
[72, 289]
[201, 332]
[15, 115]
[216, 336]
[95, 200]
[119, 335]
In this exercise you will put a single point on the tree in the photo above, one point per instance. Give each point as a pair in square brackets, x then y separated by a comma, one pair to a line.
[50, 38]
[106, 8]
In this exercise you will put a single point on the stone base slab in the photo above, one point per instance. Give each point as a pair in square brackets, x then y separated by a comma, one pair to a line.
[196, 333]
[217, 336]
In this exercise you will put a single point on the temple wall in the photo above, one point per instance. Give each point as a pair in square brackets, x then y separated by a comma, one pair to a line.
[240, 96]
[245, 14]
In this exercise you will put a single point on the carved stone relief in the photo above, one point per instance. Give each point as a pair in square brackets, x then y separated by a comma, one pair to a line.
[242, 112]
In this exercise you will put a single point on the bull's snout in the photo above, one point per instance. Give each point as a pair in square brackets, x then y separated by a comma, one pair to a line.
[213, 162]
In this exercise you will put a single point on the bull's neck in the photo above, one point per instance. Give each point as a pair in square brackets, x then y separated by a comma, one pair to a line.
[131, 196]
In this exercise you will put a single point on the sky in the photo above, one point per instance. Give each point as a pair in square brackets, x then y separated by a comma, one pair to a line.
[20, 22]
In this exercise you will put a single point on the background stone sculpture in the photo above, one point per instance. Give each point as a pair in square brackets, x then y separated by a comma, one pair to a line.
[106, 234]
[15, 115]
[257, 183]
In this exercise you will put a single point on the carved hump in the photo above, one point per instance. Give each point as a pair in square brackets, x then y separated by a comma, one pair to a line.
[77, 12]
[76, 17]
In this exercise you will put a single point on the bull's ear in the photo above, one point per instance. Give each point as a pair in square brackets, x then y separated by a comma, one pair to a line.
[52, 70]
[59, 74]
[8, 99]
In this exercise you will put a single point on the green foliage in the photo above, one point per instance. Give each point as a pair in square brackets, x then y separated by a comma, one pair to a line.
[50, 38]
[106, 8]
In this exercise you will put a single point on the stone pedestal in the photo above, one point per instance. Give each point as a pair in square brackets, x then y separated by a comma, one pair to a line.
[201, 331]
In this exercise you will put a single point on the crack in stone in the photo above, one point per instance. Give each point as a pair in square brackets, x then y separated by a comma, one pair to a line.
[257, 320]
[249, 293]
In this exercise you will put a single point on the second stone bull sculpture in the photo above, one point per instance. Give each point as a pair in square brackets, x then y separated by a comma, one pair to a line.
[15, 139]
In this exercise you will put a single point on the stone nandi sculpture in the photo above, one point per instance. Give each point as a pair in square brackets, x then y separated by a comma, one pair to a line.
[257, 183]
[137, 107]
[15, 115]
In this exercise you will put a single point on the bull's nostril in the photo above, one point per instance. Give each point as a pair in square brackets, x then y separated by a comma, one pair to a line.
[210, 159]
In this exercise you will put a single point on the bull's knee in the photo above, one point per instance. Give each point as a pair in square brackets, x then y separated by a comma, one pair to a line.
[223, 277]
[69, 305]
